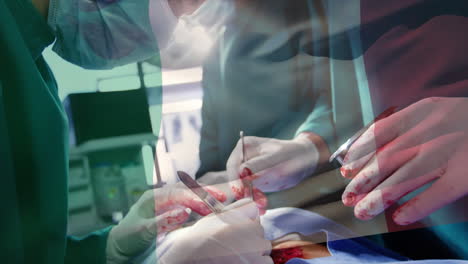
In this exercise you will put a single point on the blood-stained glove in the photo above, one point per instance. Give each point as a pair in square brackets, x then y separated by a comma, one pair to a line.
[232, 237]
[157, 212]
[220, 181]
[425, 142]
[273, 164]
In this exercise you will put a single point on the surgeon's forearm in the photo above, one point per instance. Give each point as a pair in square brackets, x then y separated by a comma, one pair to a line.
[321, 145]
[42, 6]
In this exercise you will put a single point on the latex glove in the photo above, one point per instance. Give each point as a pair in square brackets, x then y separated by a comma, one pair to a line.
[220, 181]
[273, 164]
[425, 142]
[232, 237]
[157, 212]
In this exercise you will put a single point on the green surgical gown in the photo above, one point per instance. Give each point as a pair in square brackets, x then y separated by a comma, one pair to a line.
[34, 149]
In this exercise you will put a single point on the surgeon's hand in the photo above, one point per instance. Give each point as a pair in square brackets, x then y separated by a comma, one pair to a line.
[273, 164]
[232, 237]
[425, 142]
[157, 212]
[232, 189]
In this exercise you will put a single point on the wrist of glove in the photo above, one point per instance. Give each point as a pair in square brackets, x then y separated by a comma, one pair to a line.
[114, 255]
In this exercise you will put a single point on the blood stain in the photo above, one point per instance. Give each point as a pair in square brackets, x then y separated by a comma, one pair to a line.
[349, 173]
[283, 255]
[363, 215]
[349, 199]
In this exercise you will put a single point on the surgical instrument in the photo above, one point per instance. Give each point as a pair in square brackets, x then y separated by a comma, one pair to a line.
[246, 182]
[341, 152]
[213, 204]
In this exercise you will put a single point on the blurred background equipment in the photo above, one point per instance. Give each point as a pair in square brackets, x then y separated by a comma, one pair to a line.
[128, 126]
[109, 132]
[102, 115]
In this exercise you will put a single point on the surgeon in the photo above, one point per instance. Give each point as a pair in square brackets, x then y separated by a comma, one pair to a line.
[258, 80]
[408, 57]
[33, 131]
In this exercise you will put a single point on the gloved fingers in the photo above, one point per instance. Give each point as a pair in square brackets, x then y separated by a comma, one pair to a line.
[232, 189]
[389, 126]
[369, 177]
[382, 197]
[383, 153]
[238, 189]
[160, 200]
[261, 200]
[240, 192]
[351, 168]
[275, 178]
[183, 197]
[267, 153]
[439, 194]
[266, 161]
[410, 176]
[168, 221]
[218, 194]
[376, 136]
[386, 161]
[242, 209]
[251, 145]
[197, 206]
[292, 158]
[428, 157]
[450, 186]
[238, 204]
[283, 175]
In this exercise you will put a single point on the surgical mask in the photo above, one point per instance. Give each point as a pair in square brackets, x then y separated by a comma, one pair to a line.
[102, 34]
[195, 34]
